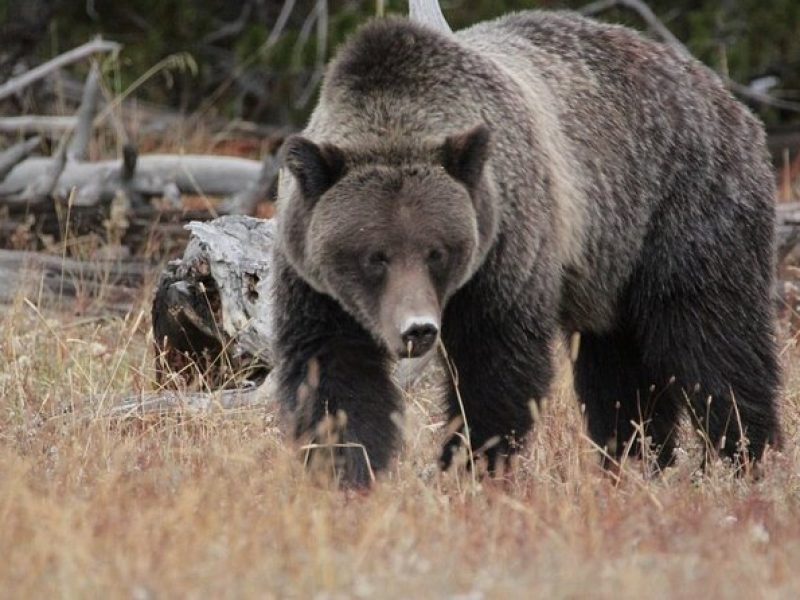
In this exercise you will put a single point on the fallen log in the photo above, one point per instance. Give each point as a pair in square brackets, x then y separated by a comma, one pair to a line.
[47, 278]
[193, 174]
[12, 156]
[245, 202]
[788, 229]
[37, 124]
[188, 403]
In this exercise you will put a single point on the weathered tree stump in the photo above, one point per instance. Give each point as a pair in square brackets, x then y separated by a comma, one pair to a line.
[211, 312]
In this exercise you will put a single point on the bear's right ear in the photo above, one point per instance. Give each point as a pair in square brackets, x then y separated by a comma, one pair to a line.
[464, 155]
[316, 168]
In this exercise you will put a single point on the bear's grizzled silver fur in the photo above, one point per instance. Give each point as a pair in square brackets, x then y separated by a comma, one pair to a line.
[566, 175]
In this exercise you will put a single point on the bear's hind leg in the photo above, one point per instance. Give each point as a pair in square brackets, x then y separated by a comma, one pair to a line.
[622, 401]
[724, 365]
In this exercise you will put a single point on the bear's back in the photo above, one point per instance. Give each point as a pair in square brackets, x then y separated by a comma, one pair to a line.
[652, 136]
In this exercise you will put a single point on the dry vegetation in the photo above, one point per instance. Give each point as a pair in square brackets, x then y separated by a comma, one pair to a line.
[218, 505]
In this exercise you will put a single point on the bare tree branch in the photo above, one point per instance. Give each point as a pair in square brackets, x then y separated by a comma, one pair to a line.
[318, 16]
[36, 124]
[428, 12]
[79, 146]
[274, 35]
[644, 12]
[762, 98]
[232, 28]
[16, 84]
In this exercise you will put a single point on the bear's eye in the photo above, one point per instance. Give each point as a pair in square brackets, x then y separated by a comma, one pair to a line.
[378, 259]
[376, 263]
[435, 257]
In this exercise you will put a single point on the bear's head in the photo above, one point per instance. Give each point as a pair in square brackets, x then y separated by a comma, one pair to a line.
[390, 238]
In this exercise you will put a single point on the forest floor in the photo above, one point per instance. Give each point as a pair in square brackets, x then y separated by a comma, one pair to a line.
[218, 505]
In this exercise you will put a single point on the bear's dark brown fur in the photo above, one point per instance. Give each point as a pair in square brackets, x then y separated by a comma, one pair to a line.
[538, 173]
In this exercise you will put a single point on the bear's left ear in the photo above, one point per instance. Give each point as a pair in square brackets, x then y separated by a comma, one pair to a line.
[316, 167]
[464, 155]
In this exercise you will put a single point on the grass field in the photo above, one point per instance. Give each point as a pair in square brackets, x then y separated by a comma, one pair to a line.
[219, 506]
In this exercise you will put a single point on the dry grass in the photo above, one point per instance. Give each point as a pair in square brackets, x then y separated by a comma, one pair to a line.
[218, 506]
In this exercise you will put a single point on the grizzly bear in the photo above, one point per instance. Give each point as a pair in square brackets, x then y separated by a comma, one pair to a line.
[537, 175]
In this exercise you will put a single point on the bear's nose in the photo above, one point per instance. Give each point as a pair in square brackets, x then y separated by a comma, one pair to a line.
[418, 338]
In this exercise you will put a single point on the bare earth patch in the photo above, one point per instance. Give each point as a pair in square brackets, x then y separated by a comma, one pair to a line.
[219, 506]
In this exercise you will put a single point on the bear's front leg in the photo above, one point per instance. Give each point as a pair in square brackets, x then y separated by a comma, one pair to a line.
[502, 363]
[333, 385]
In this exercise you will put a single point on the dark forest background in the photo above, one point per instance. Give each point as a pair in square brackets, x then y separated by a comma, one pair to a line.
[235, 63]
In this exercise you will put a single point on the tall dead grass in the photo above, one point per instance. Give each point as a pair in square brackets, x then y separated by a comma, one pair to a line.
[219, 505]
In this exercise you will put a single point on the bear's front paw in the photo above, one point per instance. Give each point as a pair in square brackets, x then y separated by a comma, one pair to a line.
[334, 455]
[495, 452]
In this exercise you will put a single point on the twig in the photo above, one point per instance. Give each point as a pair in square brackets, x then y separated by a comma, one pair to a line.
[467, 438]
[16, 84]
[181, 60]
[232, 28]
[319, 17]
[762, 98]
[272, 38]
[646, 14]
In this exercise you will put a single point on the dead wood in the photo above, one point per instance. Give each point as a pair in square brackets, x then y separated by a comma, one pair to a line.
[428, 12]
[79, 144]
[25, 124]
[190, 403]
[17, 84]
[265, 188]
[788, 229]
[12, 156]
[48, 278]
[212, 308]
[193, 174]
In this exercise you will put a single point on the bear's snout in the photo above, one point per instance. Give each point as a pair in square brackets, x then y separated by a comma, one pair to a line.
[419, 335]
